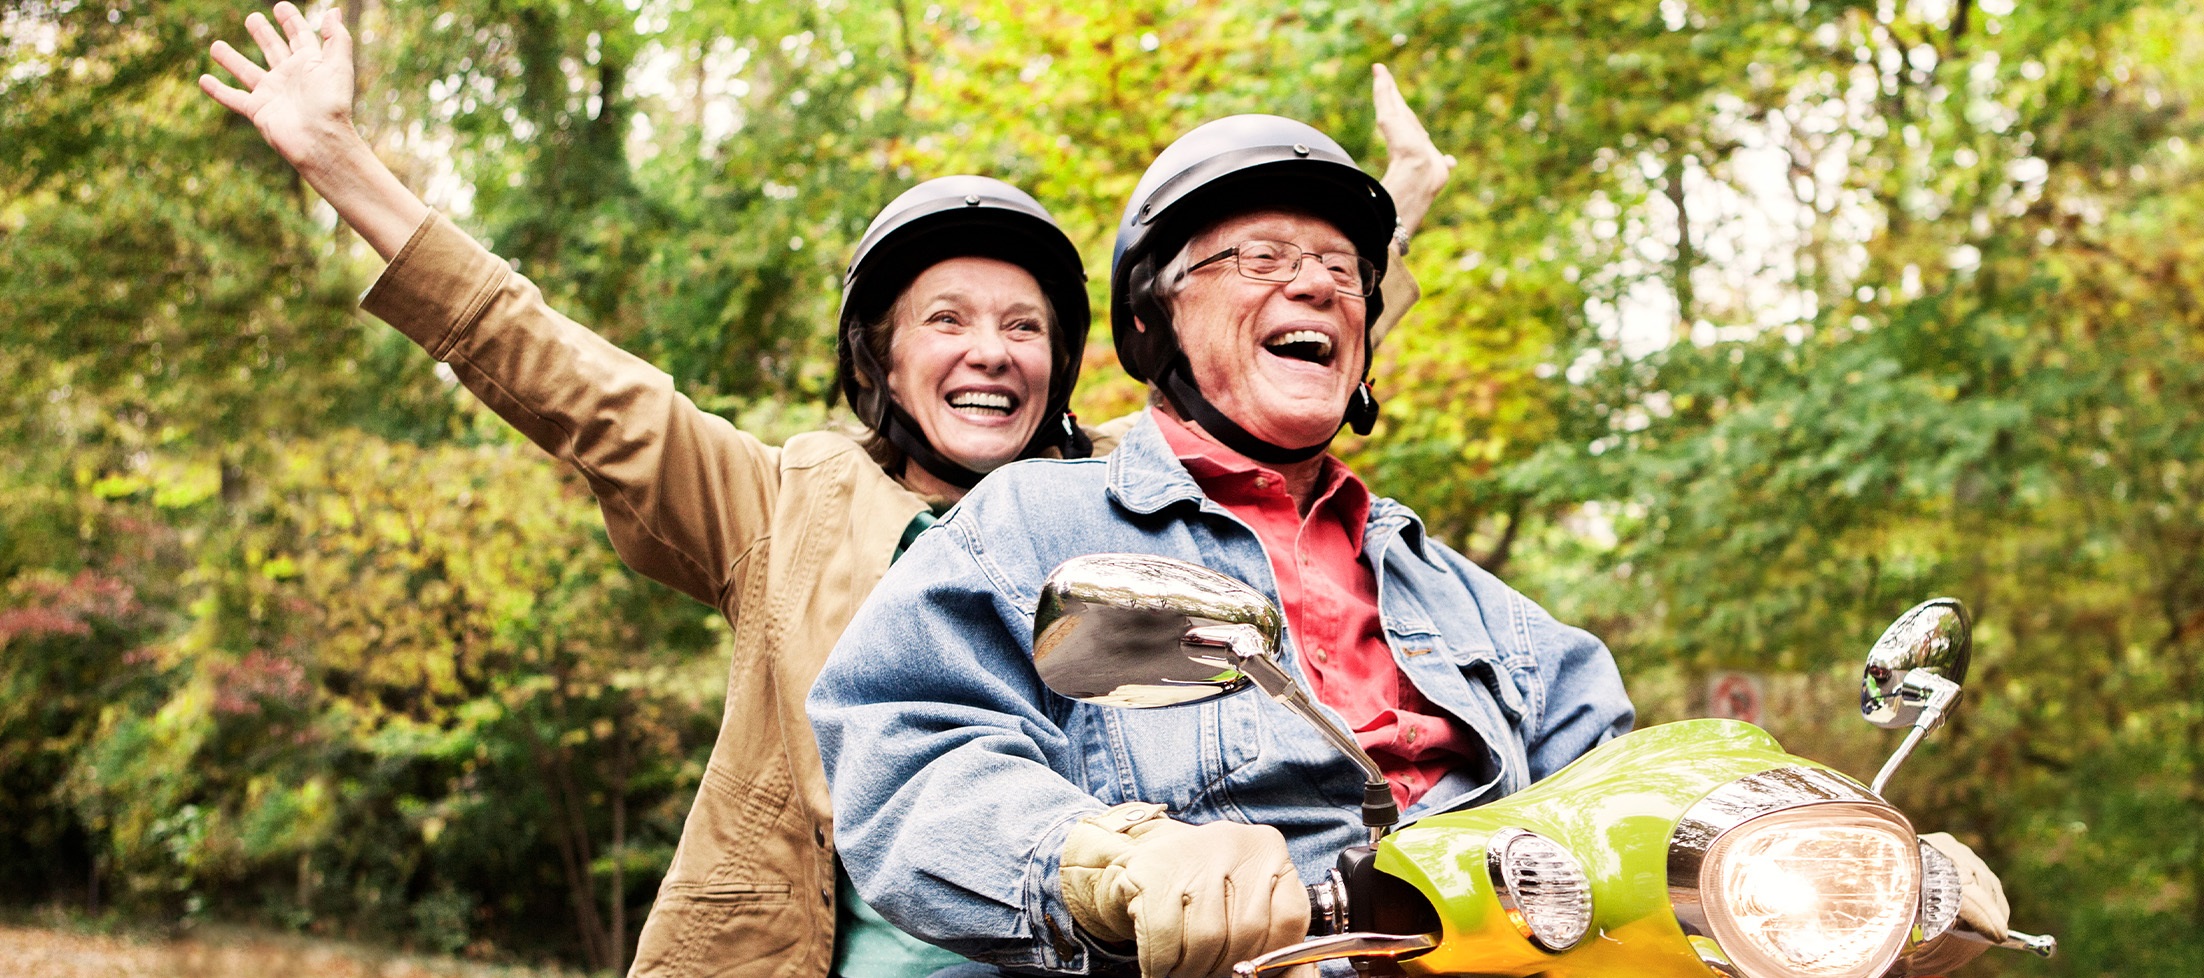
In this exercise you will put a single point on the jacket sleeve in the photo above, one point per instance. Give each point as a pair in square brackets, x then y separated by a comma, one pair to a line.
[946, 759]
[1582, 703]
[683, 492]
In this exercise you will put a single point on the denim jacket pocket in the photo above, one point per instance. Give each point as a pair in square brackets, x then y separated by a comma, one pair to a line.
[1176, 756]
[1301, 768]
[1479, 660]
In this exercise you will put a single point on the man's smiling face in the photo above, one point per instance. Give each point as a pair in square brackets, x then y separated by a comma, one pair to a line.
[1279, 359]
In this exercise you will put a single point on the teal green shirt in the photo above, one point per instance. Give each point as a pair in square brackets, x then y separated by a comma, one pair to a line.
[865, 944]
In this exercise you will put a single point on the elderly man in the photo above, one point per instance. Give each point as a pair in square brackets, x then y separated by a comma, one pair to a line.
[979, 810]
[967, 794]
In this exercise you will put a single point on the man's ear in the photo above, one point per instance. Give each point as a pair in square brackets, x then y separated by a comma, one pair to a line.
[1140, 324]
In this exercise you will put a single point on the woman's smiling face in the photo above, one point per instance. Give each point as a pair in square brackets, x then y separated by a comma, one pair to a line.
[969, 360]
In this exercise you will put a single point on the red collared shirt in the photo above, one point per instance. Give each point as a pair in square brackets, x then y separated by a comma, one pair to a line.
[1330, 597]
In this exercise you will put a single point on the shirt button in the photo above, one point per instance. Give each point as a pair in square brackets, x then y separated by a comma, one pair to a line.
[1262, 482]
[819, 832]
[1410, 736]
[1321, 655]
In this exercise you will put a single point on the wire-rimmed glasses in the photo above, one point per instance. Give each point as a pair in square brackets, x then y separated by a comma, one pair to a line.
[1280, 261]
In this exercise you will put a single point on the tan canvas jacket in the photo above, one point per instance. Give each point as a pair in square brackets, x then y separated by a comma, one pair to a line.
[783, 541]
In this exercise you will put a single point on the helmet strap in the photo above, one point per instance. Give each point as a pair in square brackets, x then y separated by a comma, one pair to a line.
[1064, 435]
[1362, 408]
[903, 433]
[1191, 405]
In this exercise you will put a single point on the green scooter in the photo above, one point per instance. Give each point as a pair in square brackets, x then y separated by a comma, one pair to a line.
[1687, 849]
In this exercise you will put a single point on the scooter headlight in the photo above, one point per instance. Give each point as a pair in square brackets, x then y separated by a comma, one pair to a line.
[1819, 891]
[1544, 891]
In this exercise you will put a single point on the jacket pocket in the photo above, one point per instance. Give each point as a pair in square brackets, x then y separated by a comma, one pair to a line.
[728, 894]
[1471, 650]
[1176, 756]
[727, 930]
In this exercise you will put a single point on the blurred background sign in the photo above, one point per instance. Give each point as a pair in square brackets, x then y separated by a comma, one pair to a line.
[1736, 696]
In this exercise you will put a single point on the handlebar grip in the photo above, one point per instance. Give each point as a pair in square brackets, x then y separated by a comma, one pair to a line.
[1328, 906]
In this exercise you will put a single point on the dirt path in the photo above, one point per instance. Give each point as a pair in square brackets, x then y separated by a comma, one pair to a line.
[33, 952]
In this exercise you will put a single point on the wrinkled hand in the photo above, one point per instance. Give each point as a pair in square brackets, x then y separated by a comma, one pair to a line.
[1415, 170]
[302, 101]
[1195, 899]
[1981, 897]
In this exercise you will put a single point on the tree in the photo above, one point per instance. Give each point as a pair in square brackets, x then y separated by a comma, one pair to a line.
[1747, 325]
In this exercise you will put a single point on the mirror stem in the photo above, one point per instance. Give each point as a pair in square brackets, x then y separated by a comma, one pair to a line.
[1935, 694]
[1379, 811]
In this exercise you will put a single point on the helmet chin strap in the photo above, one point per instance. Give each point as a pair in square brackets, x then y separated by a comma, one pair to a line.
[1187, 398]
[902, 431]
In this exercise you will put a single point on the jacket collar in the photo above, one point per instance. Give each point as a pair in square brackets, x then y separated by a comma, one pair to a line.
[1145, 474]
[1390, 518]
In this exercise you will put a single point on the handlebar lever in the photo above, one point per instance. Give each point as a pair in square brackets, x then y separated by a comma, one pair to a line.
[2040, 945]
[1398, 947]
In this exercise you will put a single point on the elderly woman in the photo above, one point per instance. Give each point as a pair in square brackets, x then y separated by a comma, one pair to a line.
[963, 317]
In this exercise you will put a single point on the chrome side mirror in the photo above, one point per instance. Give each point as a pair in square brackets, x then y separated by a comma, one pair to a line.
[1931, 640]
[1142, 631]
[1913, 678]
[1129, 630]
[1913, 674]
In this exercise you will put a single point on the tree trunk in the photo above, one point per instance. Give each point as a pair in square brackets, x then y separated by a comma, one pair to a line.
[1686, 257]
[620, 765]
[573, 849]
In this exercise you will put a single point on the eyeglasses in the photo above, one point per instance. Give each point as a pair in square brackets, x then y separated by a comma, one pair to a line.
[1278, 261]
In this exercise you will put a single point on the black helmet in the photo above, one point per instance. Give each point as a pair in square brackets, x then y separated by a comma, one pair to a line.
[1231, 166]
[957, 217]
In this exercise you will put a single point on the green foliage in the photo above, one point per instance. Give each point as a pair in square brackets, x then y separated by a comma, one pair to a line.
[1746, 325]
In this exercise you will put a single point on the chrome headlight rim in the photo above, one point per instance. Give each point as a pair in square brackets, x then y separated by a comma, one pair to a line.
[1723, 810]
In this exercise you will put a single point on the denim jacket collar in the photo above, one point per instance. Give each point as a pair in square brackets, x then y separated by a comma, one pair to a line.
[1145, 476]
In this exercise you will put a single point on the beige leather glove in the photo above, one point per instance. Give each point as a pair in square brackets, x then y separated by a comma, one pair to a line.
[1194, 899]
[1981, 897]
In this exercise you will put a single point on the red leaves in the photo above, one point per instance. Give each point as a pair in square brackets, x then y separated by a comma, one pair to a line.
[45, 606]
[261, 677]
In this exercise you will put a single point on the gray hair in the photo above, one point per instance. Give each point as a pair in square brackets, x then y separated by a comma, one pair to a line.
[1171, 278]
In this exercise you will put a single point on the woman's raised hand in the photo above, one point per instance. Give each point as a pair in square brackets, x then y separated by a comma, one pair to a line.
[1415, 170]
[302, 105]
[302, 101]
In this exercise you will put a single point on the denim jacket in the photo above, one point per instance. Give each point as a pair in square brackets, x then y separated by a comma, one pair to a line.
[955, 774]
